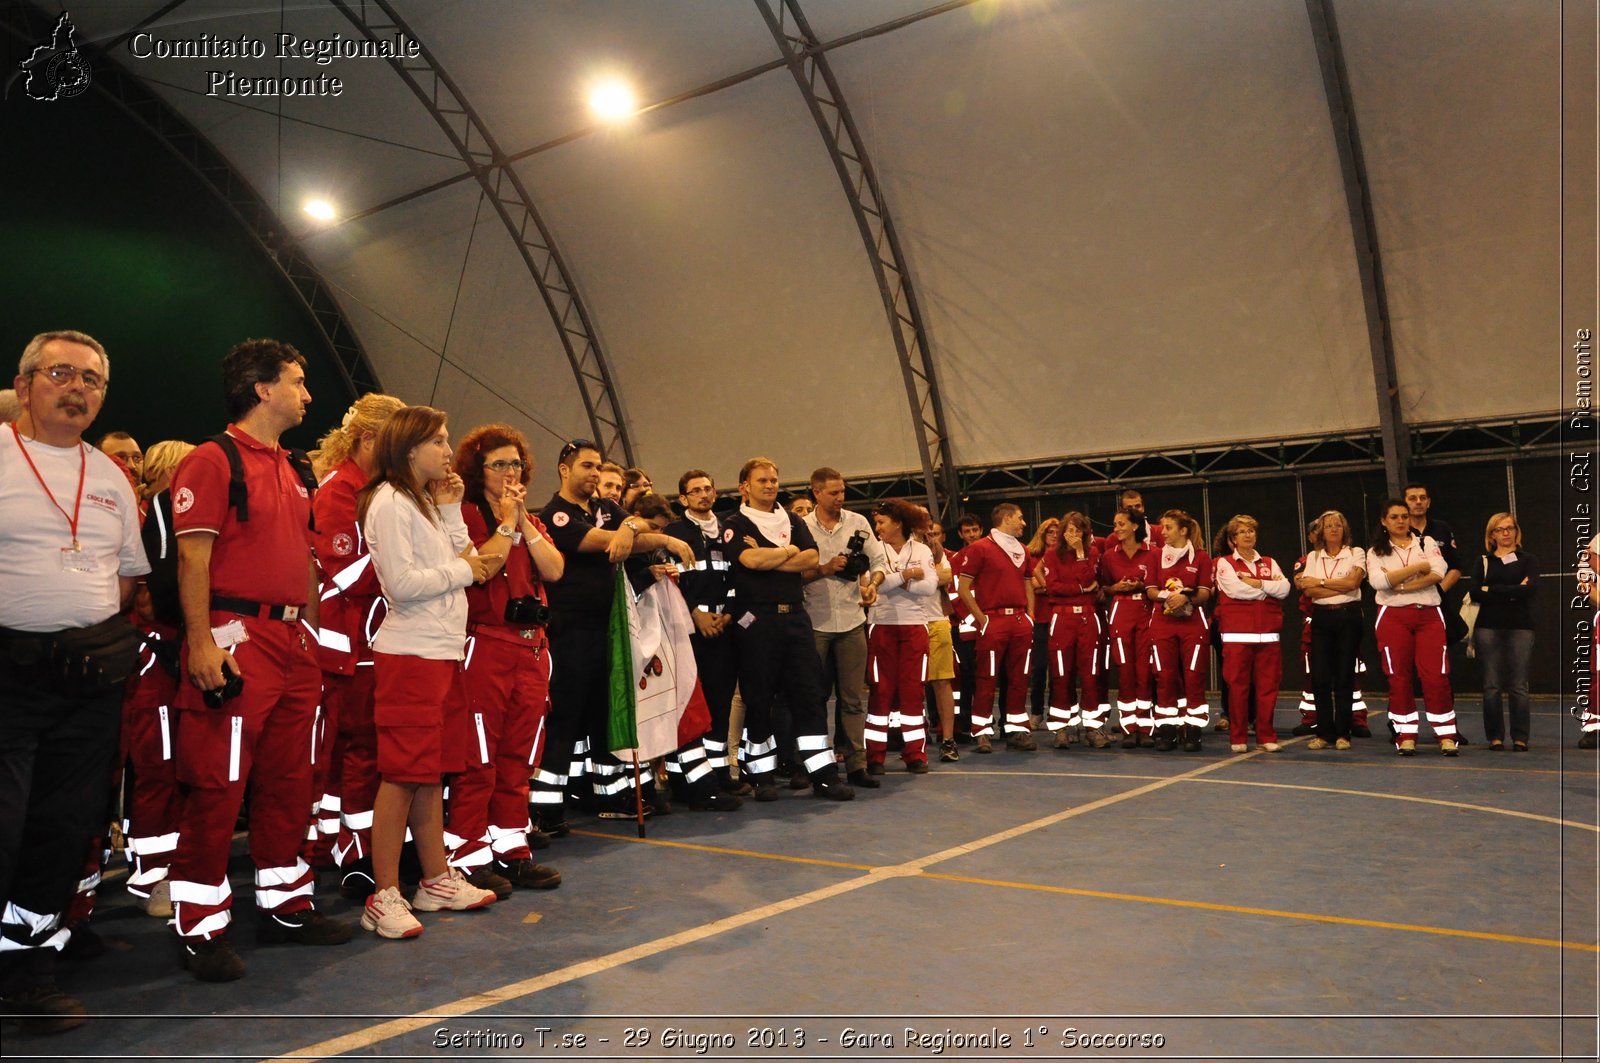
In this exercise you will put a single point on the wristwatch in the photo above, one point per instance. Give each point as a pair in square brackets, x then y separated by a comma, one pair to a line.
[507, 530]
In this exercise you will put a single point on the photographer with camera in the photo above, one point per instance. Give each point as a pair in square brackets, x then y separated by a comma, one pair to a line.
[838, 593]
[507, 674]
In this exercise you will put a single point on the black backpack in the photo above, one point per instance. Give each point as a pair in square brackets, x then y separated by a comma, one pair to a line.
[239, 494]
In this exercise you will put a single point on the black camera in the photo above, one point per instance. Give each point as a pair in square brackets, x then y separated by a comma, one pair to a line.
[856, 561]
[527, 611]
[230, 689]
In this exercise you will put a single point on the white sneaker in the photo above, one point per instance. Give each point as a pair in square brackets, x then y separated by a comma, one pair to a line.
[159, 903]
[450, 893]
[389, 916]
[1271, 747]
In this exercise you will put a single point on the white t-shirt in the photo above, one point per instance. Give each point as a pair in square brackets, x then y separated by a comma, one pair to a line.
[1400, 557]
[36, 592]
[1321, 566]
[423, 576]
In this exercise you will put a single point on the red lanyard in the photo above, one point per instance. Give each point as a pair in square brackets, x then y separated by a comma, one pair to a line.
[1324, 563]
[83, 464]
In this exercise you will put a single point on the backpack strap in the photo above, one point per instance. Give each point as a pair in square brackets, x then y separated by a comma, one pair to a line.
[238, 494]
[300, 462]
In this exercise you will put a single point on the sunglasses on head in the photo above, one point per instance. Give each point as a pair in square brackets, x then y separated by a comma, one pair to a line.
[573, 447]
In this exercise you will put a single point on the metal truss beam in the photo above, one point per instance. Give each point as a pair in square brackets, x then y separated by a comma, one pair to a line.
[807, 61]
[377, 20]
[1450, 443]
[129, 94]
[1364, 232]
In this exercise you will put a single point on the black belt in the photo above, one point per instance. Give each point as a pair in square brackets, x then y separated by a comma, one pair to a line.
[259, 610]
[1339, 605]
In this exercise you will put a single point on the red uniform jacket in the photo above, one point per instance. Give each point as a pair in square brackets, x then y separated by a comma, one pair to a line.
[997, 581]
[1253, 616]
[1192, 570]
[486, 605]
[352, 601]
[1065, 579]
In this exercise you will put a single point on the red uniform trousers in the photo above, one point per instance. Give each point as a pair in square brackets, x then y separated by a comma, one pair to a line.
[1414, 636]
[897, 665]
[1074, 663]
[322, 832]
[1180, 654]
[1005, 645]
[507, 681]
[262, 737]
[1308, 707]
[149, 727]
[347, 702]
[1128, 651]
[1253, 671]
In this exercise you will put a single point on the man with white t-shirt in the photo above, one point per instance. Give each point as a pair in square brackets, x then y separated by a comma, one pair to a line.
[69, 555]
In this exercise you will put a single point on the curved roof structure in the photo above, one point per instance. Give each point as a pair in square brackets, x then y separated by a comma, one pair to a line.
[1124, 220]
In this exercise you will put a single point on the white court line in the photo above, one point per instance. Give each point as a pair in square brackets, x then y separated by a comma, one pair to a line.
[489, 998]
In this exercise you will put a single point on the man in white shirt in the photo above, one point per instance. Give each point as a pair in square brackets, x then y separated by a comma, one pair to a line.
[836, 597]
[70, 553]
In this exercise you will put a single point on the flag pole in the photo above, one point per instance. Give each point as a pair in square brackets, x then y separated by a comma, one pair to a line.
[638, 793]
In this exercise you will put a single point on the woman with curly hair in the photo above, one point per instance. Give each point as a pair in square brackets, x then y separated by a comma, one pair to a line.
[506, 676]
[897, 638]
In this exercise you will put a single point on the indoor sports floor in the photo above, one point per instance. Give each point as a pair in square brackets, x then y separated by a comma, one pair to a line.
[1039, 905]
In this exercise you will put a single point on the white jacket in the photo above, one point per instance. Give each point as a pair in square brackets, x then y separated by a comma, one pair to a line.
[423, 576]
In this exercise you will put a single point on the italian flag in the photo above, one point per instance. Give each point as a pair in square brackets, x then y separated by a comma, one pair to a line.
[656, 703]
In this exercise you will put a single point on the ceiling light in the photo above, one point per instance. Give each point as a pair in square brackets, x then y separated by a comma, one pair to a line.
[612, 100]
[320, 209]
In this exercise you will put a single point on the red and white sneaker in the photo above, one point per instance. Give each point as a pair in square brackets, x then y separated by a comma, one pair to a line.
[450, 892]
[389, 916]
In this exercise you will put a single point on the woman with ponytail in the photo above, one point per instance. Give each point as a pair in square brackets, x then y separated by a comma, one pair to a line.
[1179, 634]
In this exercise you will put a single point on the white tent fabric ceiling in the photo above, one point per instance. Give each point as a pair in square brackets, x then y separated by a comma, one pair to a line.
[1124, 218]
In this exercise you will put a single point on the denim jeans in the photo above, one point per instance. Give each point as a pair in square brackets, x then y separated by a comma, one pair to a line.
[1504, 653]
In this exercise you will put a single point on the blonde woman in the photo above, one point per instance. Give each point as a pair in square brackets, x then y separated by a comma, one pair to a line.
[1331, 580]
[345, 770]
[1250, 592]
[149, 720]
[1504, 583]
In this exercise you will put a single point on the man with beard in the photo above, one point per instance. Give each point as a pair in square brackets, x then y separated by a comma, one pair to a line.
[594, 535]
[707, 586]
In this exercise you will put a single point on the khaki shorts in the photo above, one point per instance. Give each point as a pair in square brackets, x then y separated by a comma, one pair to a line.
[941, 654]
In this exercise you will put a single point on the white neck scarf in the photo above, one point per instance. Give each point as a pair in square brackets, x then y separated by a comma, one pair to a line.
[774, 525]
[1011, 545]
[707, 526]
[1171, 555]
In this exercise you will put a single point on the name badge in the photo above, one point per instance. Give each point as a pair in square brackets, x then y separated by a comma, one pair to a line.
[230, 634]
[747, 619]
[73, 560]
[1077, 609]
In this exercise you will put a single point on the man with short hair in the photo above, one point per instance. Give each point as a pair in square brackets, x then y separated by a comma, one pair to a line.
[1133, 501]
[707, 587]
[964, 632]
[249, 591]
[594, 535]
[998, 592]
[125, 448]
[1418, 503]
[70, 553]
[771, 549]
[612, 483]
[837, 591]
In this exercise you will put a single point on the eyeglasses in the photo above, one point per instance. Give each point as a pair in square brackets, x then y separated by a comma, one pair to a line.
[507, 466]
[1509, 529]
[63, 375]
[575, 446]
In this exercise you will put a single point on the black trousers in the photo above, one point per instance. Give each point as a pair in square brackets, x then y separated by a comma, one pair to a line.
[1335, 641]
[580, 698]
[56, 754]
[777, 653]
[966, 678]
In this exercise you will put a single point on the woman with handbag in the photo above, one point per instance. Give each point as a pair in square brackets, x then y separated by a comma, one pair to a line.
[1503, 585]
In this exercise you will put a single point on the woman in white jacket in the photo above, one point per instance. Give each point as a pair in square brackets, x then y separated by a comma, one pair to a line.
[897, 639]
[411, 516]
[1406, 570]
